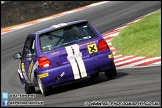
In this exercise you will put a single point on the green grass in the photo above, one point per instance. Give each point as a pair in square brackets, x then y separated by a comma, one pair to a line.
[142, 38]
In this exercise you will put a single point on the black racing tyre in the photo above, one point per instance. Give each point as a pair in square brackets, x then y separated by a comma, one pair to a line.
[29, 89]
[45, 91]
[96, 75]
[111, 73]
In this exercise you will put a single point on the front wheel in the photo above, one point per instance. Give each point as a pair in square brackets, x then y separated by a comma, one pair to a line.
[111, 73]
[43, 89]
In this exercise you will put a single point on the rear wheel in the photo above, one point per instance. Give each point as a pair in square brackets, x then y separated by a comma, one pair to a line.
[29, 89]
[111, 73]
[45, 91]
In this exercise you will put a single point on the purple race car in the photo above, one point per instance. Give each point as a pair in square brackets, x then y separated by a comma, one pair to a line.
[62, 53]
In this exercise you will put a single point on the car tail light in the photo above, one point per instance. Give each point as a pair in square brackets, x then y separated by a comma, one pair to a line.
[44, 62]
[102, 45]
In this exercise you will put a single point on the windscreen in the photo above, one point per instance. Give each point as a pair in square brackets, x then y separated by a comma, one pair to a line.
[66, 36]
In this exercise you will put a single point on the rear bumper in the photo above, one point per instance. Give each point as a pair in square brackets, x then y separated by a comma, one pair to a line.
[63, 74]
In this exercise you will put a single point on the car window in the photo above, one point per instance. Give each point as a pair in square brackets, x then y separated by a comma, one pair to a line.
[29, 50]
[32, 47]
[66, 36]
[26, 48]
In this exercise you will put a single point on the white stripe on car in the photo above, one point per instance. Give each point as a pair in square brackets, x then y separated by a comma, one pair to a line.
[71, 59]
[78, 57]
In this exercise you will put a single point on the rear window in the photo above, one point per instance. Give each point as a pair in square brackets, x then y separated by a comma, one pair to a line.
[66, 36]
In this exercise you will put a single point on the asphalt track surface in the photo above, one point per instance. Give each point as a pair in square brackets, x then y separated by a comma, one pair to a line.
[137, 84]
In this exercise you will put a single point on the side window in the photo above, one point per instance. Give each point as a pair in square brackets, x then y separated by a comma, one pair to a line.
[29, 48]
[26, 48]
[32, 47]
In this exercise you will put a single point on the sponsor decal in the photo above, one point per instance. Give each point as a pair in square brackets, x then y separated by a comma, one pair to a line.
[32, 73]
[22, 67]
[23, 73]
[92, 48]
[43, 75]
[63, 73]
[30, 69]
[89, 43]
[55, 52]
[110, 56]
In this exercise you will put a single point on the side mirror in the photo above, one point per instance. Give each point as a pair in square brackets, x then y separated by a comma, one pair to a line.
[17, 56]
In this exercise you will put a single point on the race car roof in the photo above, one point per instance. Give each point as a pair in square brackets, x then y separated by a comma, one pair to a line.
[61, 25]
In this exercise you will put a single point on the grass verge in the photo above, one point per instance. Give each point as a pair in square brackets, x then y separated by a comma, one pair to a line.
[142, 38]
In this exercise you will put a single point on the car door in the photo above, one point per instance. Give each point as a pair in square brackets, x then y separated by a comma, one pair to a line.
[29, 58]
